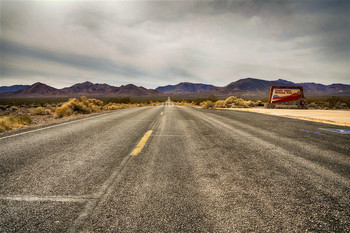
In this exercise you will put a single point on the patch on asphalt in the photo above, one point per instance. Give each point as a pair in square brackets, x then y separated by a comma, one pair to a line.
[341, 131]
[319, 133]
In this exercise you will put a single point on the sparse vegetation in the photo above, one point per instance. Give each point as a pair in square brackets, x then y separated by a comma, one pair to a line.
[40, 111]
[334, 102]
[230, 102]
[207, 104]
[115, 106]
[15, 113]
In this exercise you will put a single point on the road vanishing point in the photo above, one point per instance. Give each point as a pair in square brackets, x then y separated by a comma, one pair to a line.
[173, 168]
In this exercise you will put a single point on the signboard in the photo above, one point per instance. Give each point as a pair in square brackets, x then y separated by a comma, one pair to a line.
[281, 94]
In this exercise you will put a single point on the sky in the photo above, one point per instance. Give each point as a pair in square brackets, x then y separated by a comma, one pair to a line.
[156, 43]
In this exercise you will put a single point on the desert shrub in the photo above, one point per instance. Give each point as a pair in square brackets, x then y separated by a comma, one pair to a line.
[24, 119]
[259, 103]
[220, 104]
[313, 106]
[40, 111]
[207, 104]
[63, 111]
[237, 102]
[114, 106]
[12, 122]
[13, 109]
[75, 106]
[344, 106]
[198, 101]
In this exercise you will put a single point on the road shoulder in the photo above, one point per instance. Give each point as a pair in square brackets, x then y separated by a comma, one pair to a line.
[335, 117]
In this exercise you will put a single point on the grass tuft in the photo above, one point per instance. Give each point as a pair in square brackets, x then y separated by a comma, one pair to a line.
[12, 122]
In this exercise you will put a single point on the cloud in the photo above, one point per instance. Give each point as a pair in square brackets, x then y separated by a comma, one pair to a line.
[157, 43]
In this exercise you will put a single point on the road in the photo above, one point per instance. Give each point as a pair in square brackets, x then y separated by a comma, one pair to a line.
[196, 170]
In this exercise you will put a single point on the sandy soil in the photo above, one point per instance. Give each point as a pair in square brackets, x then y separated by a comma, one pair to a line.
[337, 117]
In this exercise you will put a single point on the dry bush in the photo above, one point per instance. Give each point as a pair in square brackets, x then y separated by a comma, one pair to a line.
[40, 111]
[12, 122]
[207, 104]
[185, 103]
[151, 104]
[13, 109]
[236, 102]
[82, 106]
[220, 104]
[63, 111]
[114, 106]
[313, 106]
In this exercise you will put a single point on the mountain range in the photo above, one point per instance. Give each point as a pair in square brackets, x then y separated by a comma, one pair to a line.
[251, 87]
[248, 87]
[254, 88]
[87, 88]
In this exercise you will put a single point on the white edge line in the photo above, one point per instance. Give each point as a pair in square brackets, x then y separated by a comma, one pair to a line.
[47, 198]
[53, 126]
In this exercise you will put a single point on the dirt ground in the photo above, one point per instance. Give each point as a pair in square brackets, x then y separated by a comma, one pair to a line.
[337, 117]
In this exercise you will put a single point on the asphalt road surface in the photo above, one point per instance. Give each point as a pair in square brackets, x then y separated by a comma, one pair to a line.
[195, 170]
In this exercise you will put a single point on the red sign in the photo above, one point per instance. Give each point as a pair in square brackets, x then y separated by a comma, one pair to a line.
[280, 94]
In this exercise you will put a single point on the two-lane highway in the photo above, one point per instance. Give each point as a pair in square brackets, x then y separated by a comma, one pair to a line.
[195, 170]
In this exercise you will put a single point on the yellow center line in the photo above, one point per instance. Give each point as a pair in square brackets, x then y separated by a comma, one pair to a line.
[142, 143]
[162, 114]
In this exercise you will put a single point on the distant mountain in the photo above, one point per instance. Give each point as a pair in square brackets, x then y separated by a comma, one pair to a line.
[185, 88]
[319, 89]
[251, 87]
[80, 89]
[132, 90]
[36, 90]
[248, 87]
[88, 88]
[4, 89]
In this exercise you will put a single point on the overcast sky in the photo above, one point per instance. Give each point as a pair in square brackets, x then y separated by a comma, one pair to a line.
[154, 43]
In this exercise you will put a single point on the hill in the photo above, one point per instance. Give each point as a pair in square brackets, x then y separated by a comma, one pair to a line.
[185, 88]
[88, 89]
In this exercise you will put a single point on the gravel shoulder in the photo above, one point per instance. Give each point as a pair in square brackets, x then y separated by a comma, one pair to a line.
[336, 117]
